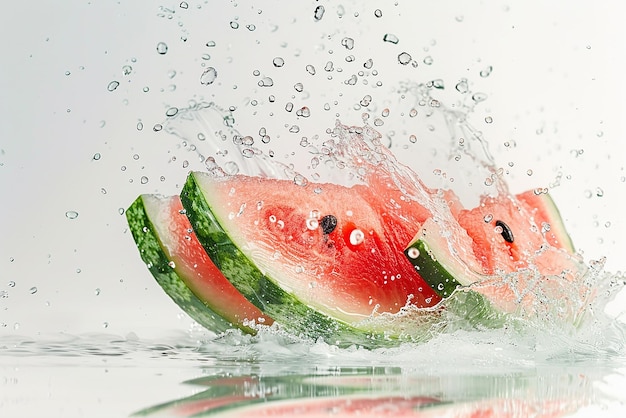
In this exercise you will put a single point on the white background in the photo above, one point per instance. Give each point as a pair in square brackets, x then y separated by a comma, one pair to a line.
[556, 88]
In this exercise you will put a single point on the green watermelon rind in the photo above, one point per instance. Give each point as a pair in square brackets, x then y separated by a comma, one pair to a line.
[286, 309]
[151, 251]
[451, 278]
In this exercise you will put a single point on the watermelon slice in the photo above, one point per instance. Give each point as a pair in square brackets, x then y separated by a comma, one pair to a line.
[329, 246]
[513, 250]
[183, 269]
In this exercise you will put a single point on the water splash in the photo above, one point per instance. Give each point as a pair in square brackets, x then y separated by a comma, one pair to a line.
[569, 313]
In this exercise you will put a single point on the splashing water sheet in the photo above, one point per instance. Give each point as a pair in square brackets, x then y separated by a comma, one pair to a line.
[107, 102]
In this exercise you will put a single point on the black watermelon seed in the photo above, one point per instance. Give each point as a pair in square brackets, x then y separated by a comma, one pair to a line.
[507, 234]
[328, 224]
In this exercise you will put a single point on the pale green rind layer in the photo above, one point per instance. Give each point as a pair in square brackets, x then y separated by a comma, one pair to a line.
[286, 309]
[556, 223]
[151, 251]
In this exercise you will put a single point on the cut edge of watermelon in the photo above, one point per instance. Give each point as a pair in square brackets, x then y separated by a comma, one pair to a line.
[548, 212]
[292, 314]
[152, 253]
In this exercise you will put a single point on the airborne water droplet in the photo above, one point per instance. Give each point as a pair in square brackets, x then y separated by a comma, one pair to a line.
[33, 290]
[404, 58]
[71, 214]
[113, 85]
[208, 76]
[318, 14]
[485, 72]
[348, 43]
[266, 82]
[389, 37]
[161, 48]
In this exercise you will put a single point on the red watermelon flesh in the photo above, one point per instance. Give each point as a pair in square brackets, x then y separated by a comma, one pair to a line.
[195, 267]
[511, 233]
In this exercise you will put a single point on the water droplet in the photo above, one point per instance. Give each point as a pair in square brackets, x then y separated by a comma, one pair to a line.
[161, 48]
[33, 290]
[144, 180]
[251, 27]
[479, 97]
[440, 286]
[113, 85]
[412, 139]
[428, 60]
[96, 156]
[485, 72]
[312, 224]
[11, 283]
[157, 127]
[599, 192]
[329, 66]
[289, 107]
[208, 76]
[298, 87]
[391, 38]
[404, 58]
[231, 168]
[488, 119]
[294, 129]
[304, 112]
[438, 84]
[368, 64]
[348, 43]
[462, 86]
[413, 253]
[310, 69]
[211, 44]
[300, 180]
[184, 5]
[318, 14]
[266, 82]
[234, 24]
[172, 111]
[529, 172]
[356, 237]
[71, 214]
[378, 13]
[366, 100]
[172, 264]
[105, 324]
